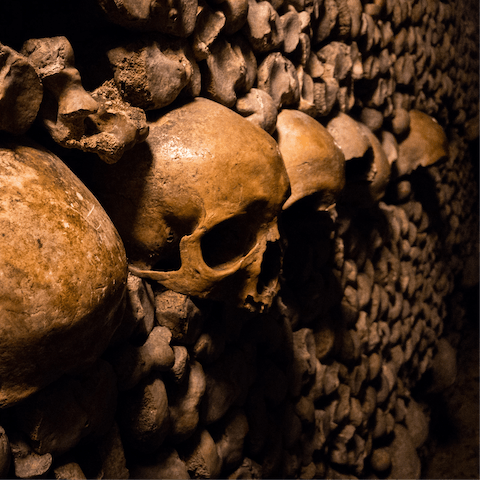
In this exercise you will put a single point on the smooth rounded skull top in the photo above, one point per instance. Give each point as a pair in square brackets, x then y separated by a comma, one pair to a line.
[197, 204]
[63, 272]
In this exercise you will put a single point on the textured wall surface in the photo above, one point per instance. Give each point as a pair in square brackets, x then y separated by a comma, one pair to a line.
[328, 381]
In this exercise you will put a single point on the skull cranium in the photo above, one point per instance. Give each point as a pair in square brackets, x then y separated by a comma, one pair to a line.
[197, 204]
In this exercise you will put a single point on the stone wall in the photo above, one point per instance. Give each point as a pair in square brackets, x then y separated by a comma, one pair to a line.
[320, 383]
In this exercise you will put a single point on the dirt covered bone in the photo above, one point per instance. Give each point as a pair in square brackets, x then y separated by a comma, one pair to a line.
[63, 271]
[197, 204]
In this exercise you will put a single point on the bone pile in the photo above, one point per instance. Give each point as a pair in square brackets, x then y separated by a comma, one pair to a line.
[135, 362]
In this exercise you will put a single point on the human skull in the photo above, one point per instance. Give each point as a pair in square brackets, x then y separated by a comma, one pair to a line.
[63, 272]
[197, 204]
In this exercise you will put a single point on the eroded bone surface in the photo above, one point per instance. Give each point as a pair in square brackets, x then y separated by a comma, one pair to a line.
[56, 235]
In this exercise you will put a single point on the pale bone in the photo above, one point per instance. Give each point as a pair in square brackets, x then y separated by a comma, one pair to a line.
[26, 462]
[78, 318]
[314, 163]
[144, 414]
[131, 363]
[230, 68]
[59, 416]
[292, 27]
[371, 118]
[153, 71]
[327, 22]
[425, 144]
[200, 219]
[345, 96]
[184, 402]
[355, 7]
[68, 111]
[21, 92]
[201, 456]
[277, 76]
[314, 67]
[258, 107]
[357, 65]
[173, 18]
[263, 28]
[337, 55]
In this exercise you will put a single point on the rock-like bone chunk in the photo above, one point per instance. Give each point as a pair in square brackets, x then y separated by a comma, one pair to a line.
[100, 122]
[151, 72]
[21, 91]
[258, 107]
[175, 17]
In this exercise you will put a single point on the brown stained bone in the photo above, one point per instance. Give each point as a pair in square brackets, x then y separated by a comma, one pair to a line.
[53, 60]
[184, 403]
[173, 18]
[344, 18]
[248, 469]
[337, 55]
[258, 107]
[67, 468]
[117, 126]
[277, 76]
[99, 122]
[315, 170]
[229, 68]
[144, 414]
[180, 314]
[229, 435]
[131, 363]
[207, 29]
[201, 456]
[5, 454]
[264, 27]
[165, 463]
[57, 326]
[326, 91]
[327, 22]
[58, 417]
[151, 72]
[21, 91]
[292, 27]
[425, 144]
[235, 12]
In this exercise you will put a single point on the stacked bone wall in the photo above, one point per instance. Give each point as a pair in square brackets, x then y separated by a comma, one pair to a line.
[320, 386]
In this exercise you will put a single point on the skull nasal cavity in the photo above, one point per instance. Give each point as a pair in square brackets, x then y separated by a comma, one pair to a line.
[228, 241]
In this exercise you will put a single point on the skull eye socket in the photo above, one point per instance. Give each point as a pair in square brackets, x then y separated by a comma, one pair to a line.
[228, 241]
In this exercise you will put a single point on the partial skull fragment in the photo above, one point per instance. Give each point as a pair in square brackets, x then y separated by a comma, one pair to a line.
[314, 163]
[197, 205]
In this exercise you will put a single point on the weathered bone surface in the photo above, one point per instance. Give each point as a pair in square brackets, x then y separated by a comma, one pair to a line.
[178, 229]
[21, 92]
[101, 122]
[63, 268]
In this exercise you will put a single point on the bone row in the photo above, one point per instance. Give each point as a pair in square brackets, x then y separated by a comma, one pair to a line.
[254, 57]
[209, 393]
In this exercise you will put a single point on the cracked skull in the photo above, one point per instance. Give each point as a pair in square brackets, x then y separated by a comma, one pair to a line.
[197, 204]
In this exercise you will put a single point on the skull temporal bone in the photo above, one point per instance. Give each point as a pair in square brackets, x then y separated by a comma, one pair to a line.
[197, 204]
